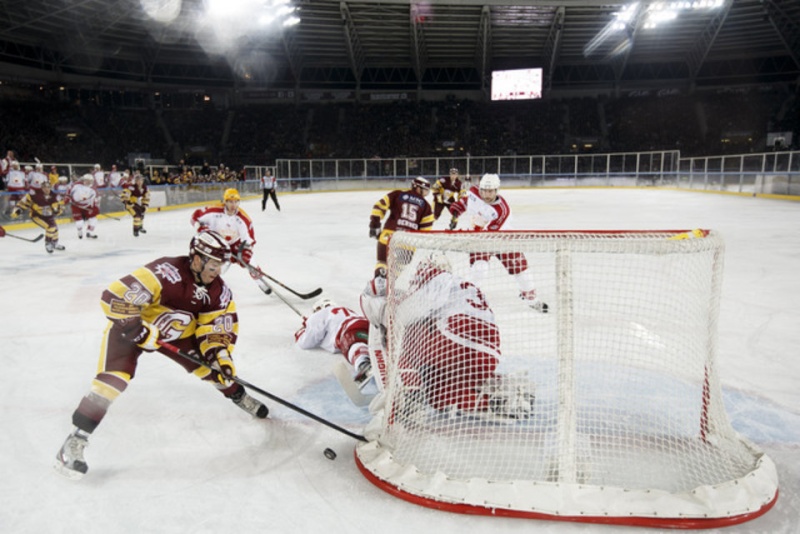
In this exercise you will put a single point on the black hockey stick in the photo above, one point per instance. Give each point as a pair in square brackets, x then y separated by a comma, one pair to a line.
[253, 268]
[36, 239]
[245, 383]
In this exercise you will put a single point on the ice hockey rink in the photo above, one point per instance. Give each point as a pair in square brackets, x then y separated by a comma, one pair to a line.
[174, 456]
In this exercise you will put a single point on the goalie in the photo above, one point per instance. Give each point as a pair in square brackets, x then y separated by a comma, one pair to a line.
[449, 349]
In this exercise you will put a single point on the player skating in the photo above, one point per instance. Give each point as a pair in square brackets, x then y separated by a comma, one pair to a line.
[446, 190]
[484, 209]
[135, 197]
[44, 206]
[85, 206]
[236, 226]
[181, 300]
[408, 210]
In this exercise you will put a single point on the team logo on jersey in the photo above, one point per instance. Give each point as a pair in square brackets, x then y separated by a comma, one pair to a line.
[168, 272]
[201, 294]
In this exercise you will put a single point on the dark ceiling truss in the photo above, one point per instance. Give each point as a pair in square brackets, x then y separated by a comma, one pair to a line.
[788, 29]
[407, 45]
[699, 50]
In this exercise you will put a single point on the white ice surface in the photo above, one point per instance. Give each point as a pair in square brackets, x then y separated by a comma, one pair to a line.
[173, 456]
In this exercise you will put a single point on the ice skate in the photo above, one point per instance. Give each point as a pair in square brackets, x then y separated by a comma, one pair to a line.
[363, 373]
[91, 235]
[69, 460]
[533, 301]
[49, 247]
[249, 404]
[135, 232]
[56, 246]
[510, 398]
[142, 231]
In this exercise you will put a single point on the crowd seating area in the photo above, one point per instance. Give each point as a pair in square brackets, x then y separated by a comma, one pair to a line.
[716, 122]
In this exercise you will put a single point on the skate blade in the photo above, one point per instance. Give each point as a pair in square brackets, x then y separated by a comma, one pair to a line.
[66, 472]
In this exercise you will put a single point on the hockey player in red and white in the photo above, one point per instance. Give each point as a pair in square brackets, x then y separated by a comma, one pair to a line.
[99, 176]
[450, 349]
[37, 177]
[483, 209]
[85, 206]
[115, 177]
[182, 300]
[234, 224]
[16, 184]
[338, 330]
[5, 164]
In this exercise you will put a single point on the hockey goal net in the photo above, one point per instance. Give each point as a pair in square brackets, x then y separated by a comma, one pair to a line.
[607, 408]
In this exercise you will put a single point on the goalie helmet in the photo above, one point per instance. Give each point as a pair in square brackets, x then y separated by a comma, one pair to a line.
[489, 182]
[231, 194]
[211, 245]
[320, 304]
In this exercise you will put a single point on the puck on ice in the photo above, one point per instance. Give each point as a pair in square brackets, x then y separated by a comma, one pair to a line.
[330, 454]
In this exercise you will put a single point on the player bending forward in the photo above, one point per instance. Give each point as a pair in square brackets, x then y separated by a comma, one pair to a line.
[85, 206]
[450, 348]
[485, 209]
[181, 300]
[233, 223]
[338, 330]
[44, 206]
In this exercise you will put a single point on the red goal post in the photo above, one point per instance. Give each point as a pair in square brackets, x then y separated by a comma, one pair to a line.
[606, 409]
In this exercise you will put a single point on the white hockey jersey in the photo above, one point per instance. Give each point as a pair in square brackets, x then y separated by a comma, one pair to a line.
[322, 328]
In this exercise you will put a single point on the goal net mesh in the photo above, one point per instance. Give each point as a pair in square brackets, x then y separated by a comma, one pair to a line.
[607, 405]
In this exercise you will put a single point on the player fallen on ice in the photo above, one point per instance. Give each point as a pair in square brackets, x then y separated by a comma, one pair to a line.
[44, 206]
[341, 330]
[181, 300]
[486, 210]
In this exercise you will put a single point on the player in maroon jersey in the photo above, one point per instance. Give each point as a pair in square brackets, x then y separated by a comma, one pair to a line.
[446, 190]
[44, 206]
[136, 197]
[181, 300]
[408, 210]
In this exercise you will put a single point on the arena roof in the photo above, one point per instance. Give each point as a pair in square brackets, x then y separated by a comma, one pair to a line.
[401, 45]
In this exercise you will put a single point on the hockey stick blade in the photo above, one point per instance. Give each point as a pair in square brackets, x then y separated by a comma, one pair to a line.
[34, 240]
[253, 268]
[175, 350]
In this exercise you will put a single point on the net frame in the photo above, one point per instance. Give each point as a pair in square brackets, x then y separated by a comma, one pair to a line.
[423, 461]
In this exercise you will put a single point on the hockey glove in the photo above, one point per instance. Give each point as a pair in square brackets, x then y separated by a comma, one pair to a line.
[455, 210]
[146, 336]
[374, 232]
[224, 365]
[246, 252]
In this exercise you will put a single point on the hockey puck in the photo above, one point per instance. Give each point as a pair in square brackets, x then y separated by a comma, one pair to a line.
[330, 454]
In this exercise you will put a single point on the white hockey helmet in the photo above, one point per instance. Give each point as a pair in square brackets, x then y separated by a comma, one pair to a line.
[489, 181]
[421, 182]
[87, 178]
[211, 245]
[320, 304]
